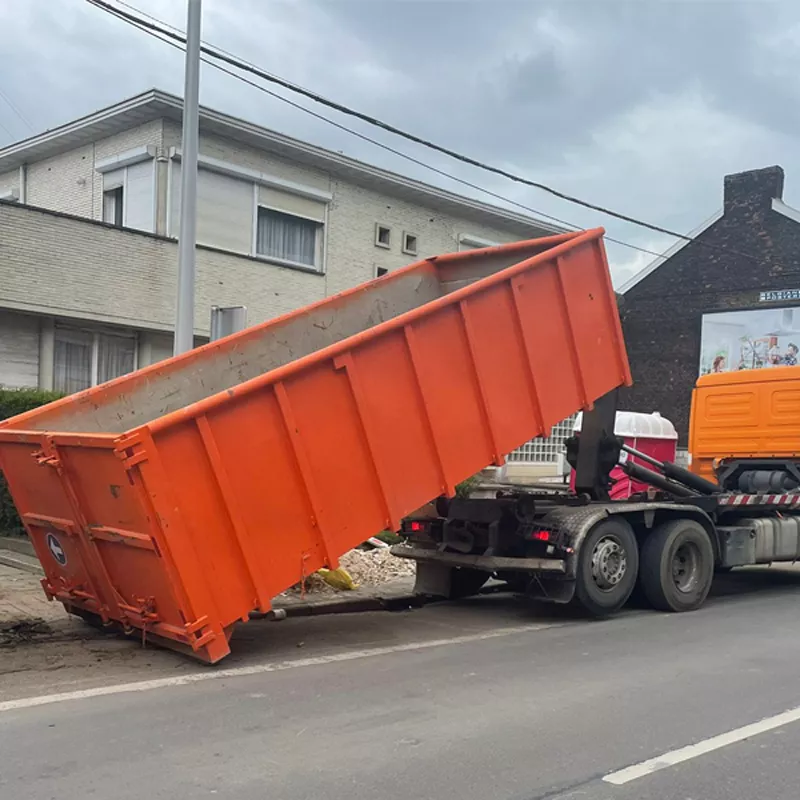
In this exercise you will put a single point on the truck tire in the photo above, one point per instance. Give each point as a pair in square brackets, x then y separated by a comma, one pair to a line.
[465, 582]
[607, 567]
[677, 565]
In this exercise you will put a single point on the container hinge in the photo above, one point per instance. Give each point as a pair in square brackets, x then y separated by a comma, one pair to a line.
[130, 458]
[45, 460]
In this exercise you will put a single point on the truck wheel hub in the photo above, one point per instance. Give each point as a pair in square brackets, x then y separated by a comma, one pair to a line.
[609, 563]
[686, 567]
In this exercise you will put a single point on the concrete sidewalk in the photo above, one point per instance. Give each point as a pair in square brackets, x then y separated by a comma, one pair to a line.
[26, 615]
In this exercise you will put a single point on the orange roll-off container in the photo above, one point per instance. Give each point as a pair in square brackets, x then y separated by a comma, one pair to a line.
[178, 498]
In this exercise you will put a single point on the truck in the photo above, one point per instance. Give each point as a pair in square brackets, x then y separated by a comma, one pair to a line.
[174, 501]
[739, 505]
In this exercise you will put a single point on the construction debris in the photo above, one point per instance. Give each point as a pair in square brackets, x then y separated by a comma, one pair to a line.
[366, 567]
[13, 633]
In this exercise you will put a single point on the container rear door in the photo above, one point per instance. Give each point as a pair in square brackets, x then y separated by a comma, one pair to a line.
[45, 508]
[123, 537]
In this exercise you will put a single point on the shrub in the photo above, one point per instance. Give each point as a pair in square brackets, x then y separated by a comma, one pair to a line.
[465, 487]
[13, 402]
[389, 537]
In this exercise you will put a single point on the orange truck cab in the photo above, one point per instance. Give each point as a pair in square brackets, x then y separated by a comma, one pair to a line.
[744, 429]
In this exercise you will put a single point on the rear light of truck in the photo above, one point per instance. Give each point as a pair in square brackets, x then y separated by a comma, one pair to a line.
[542, 536]
[415, 526]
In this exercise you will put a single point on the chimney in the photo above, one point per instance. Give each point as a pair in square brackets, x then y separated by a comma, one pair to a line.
[753, 190]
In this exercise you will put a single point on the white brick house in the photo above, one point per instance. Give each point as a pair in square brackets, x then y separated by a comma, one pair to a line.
[89, 214]
[281, 223]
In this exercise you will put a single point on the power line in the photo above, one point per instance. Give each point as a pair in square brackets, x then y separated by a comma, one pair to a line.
[247, 67]
[11, 105]
[362, 136]
[377, 143]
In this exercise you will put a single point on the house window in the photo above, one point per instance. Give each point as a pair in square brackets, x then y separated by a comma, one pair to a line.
[84, 358]
[72, 361]
[112, 206]
[288, 238]
[409, 244]
[383, 236]
[380, 272]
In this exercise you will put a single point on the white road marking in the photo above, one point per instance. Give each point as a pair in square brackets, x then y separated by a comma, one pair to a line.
[257, 669]
[674, 757]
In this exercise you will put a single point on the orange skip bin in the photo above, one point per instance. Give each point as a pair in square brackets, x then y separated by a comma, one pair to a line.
[178, 498]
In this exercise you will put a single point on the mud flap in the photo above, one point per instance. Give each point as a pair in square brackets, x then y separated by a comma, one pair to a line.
[434, 580]
[551, 590]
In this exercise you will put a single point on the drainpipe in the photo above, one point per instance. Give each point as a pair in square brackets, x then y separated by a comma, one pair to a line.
[161, 192]
[23, 183]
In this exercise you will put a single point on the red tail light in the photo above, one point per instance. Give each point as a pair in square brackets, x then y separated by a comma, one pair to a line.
[417, 526]
[542, 536]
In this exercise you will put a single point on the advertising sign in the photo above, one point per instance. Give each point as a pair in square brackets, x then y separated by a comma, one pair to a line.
[735, 340]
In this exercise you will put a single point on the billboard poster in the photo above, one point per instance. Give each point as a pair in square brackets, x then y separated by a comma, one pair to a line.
[736, 340]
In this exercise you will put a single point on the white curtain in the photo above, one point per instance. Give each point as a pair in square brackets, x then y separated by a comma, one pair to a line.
[287, 237]
[72, 369]
[115, 356]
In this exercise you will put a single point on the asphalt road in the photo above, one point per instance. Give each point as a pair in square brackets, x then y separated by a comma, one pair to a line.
[482, 699]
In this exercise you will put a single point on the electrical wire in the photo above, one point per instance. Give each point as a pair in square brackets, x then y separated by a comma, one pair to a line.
[238, 63]
[11, 105]
[399, 153]
[366, 138]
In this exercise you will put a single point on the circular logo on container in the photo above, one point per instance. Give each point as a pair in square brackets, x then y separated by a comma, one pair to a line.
[56, 550]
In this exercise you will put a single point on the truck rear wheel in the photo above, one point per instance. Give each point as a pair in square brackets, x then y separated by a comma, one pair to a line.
[607, 567]
[677, 565]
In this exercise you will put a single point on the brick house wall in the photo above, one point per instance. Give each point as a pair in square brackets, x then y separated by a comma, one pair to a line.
[754, 246]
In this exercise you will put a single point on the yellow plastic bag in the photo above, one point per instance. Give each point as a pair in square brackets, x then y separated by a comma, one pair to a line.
[338, 578]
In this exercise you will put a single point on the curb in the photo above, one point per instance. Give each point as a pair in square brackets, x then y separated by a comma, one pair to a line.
[17, 544]
[353, 605]
[21, 562]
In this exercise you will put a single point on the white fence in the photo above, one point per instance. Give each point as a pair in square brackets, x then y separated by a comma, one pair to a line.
[542, 450]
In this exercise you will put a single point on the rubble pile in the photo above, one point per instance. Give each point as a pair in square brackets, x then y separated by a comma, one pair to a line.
[366, 567]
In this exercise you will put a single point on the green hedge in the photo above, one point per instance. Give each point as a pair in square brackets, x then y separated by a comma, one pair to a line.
[13, 402]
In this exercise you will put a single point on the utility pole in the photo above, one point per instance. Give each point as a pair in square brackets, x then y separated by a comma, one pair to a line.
[184, 316]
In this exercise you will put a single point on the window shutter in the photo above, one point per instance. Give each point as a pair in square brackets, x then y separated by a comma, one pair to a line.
[292, 203]
[139, 198]
[224, 210]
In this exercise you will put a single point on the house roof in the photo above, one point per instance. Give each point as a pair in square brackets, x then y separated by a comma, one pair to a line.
[767, 182]
[156, 104]
[667, 254]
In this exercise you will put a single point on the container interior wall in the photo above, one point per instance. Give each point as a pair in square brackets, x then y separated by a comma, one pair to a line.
[139, 398]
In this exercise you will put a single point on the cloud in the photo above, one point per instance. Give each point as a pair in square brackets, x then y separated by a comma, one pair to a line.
[642, 107]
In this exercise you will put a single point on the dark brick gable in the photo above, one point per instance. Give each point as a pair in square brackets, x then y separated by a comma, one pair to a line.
[662, 314]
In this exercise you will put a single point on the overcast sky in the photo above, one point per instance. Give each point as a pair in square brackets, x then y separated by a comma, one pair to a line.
[640, 106]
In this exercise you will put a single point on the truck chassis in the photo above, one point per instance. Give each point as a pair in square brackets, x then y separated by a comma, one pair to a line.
[561, 546]
[558, 548]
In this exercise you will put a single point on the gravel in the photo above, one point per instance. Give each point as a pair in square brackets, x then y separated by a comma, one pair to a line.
[366, 567]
